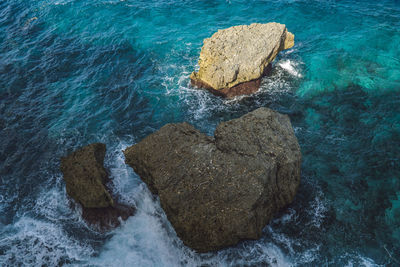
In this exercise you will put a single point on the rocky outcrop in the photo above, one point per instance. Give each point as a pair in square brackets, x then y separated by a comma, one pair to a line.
[233, 61]
[219, 190]
[86, 178]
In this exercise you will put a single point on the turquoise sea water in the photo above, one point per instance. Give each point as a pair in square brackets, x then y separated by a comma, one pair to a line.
[76, 72]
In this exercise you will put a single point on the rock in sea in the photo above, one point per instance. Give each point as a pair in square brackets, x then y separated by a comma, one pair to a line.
[219, 190]
[86, 178]
[233, 61]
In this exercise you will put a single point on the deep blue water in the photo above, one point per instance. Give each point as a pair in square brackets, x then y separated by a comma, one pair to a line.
[76, 72]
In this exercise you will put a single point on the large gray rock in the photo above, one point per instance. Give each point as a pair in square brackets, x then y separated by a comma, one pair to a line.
[232, 61]
[85, 179]
[218, 191]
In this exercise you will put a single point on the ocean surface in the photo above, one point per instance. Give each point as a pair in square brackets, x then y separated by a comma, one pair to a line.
[77, 72]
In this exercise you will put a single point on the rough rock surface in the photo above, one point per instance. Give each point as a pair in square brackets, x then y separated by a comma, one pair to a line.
[232, 57]
[218, 191]
[85, 178]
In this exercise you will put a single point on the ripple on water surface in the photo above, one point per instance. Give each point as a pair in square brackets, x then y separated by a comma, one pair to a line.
[76, 72]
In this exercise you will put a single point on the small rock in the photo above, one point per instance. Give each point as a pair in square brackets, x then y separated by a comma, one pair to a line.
[233, 61]
[85, 178]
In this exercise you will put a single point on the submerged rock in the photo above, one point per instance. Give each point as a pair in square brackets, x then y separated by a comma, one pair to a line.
[233, 61]
[218, 191]
[85, 178]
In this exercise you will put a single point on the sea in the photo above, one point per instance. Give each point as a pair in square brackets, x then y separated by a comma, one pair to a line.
[74, 72]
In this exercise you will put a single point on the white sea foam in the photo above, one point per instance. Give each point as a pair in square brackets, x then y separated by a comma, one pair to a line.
[39, 239]
[124, 182]
[32, 242]
[200, 103]
[146, 239]
[317, 209]
[280, 81]
[291, 67]
[283, 240]
[290, 215]
[308, 256]
[2, 203]
[358, 260]
[52, 203]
